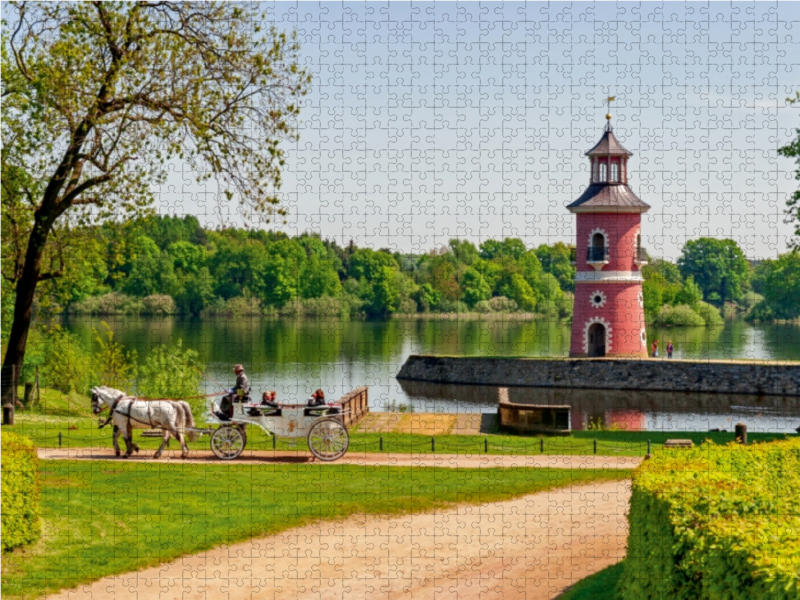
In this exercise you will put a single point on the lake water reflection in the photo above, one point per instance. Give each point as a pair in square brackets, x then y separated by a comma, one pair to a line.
[294, 358]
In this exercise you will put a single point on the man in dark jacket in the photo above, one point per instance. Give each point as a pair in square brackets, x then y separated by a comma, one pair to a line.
[237, 393]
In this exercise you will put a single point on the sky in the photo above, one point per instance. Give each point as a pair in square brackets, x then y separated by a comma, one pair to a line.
[427, 122]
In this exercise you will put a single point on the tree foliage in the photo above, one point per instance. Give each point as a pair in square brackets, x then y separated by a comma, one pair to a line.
[100, 97]
[792, 150]
[719, 268]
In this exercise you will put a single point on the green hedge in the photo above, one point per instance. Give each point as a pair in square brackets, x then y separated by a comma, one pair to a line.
[20, 490]
[716, 522]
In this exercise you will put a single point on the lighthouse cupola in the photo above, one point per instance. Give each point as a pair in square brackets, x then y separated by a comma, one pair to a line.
[608, 311]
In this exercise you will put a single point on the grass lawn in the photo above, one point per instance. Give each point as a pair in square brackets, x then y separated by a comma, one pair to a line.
[79, 432]
[100, 519]
[600, 586]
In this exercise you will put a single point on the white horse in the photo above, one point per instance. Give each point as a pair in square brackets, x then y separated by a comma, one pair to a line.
[174, 417]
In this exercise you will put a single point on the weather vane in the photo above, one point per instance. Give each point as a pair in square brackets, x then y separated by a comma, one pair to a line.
[608, 104]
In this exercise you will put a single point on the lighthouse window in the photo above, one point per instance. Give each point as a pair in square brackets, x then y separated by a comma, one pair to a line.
[614, 172]
[603, 171]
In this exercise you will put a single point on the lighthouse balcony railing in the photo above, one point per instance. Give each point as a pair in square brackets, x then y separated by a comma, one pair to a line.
[597, 254]
[640, 257]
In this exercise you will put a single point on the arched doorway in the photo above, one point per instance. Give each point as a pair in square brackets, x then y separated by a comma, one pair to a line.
[597, 340]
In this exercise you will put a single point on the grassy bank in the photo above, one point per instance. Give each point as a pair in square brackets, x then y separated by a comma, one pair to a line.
[47, 431]
[100, 520]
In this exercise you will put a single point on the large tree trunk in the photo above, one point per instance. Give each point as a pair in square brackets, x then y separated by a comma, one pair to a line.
[23, 305]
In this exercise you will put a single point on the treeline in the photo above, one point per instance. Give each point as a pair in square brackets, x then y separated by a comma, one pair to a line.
[170, 265]
[712, 279]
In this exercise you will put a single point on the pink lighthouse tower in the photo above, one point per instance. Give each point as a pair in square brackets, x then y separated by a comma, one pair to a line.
[608, 314]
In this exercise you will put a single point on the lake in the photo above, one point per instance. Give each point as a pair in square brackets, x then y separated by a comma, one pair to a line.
[296, 357]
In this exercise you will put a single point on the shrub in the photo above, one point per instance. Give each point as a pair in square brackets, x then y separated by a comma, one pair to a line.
[679, 316]
[760, 312]
[326, 306]
[66, 366]
[171, 372]
[235, 307]
[20, 490]
[119, 304]
[159, 305]
[113, 366]
[709, 313]
[715, 522]
[113, 303]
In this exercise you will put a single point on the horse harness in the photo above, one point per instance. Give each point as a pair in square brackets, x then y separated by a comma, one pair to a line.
[114, 409]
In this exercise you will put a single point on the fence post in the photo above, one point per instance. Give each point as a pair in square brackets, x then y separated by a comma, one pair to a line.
[486, 445]
[27, 398]
[59, 439]
[595, 445]
[648, 446]
[541, 445]
[433, 444]
[274, 441]
[381, 443]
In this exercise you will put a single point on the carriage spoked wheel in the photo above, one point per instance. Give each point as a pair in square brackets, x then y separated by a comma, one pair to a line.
[228, 442]
[328, 439]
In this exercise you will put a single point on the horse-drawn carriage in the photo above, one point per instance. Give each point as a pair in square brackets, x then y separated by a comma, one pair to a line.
[322, 426]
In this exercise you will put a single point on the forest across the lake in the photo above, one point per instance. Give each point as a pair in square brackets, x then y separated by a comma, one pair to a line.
[168, 265]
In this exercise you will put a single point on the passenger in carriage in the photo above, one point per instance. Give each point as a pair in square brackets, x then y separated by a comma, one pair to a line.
[268, 399]
[317, 399]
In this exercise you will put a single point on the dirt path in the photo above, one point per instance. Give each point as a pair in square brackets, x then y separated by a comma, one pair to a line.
[416, 459]
[533, 547]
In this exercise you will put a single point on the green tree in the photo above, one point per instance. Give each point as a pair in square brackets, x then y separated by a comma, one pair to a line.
[318, 278]
[474, 288]
[188, 258]
[782, 286]
[792, 150]
[556, 260]
[511, 248]
[144, 277]
[517, 289]
[669, 271]
[690, 294]
[99, 98]
[465, 251]
[719, 267]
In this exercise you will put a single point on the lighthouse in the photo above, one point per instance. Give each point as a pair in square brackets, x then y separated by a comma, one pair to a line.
[608, 311]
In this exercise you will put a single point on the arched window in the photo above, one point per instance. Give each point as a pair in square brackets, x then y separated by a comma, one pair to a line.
[598, 240]
[603, 172]
[595, 171]
[614, 172]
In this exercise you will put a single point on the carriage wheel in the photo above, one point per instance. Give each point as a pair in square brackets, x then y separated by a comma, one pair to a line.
[227, 442]
[328, 439]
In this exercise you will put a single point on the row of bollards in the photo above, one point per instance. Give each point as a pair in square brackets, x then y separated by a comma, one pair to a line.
[485, 444]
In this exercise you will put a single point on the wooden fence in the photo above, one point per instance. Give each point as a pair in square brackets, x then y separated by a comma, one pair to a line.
[356, 405]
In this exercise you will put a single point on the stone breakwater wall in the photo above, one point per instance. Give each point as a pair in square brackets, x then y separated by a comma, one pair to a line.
[780, 379]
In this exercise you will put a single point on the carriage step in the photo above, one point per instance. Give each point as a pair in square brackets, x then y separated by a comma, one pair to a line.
[155, 433]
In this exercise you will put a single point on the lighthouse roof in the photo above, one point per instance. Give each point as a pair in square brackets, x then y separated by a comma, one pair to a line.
[609, 146]
[608, 197]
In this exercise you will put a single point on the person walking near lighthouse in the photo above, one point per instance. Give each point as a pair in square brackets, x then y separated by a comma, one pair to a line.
[654, 348]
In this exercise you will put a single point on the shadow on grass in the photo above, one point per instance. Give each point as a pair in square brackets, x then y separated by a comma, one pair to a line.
[600, 586]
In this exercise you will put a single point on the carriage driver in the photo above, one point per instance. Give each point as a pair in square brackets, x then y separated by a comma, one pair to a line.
[236, 394]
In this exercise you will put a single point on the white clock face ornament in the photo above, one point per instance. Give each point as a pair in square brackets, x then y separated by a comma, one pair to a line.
[597, 299]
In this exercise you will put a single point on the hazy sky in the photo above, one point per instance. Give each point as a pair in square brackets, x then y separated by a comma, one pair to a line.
[470, 120]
